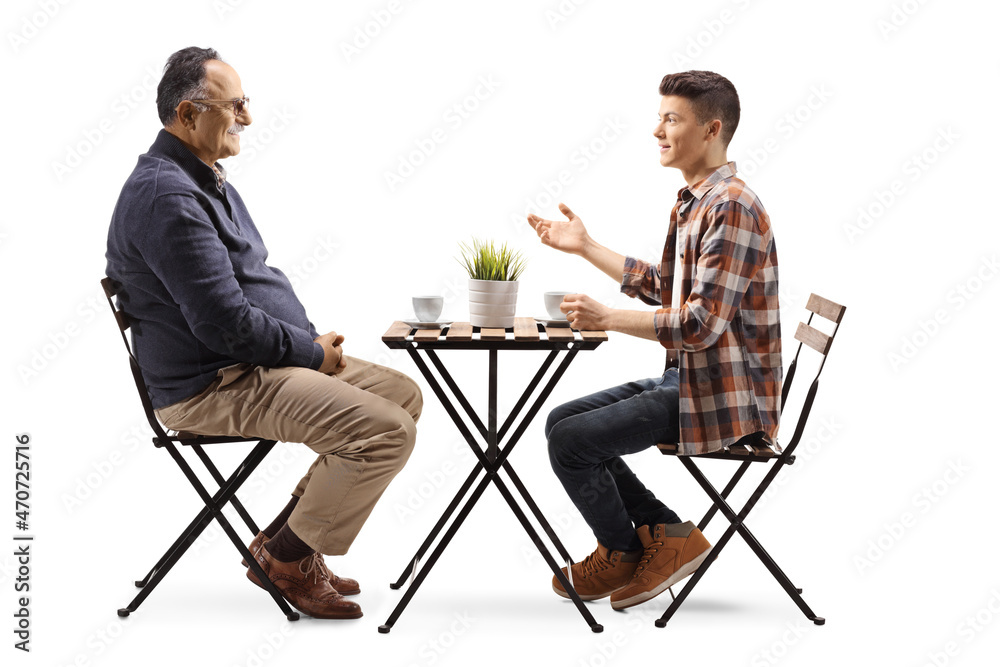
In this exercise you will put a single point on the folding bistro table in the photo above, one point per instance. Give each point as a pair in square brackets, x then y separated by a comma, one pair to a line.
[491, 455]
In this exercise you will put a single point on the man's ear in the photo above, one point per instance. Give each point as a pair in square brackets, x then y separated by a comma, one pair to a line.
[186, 113]
[713, 129]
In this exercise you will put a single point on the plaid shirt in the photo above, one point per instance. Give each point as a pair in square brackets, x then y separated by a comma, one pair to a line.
[727, 327]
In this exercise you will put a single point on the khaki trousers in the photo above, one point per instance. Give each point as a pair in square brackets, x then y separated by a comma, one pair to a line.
[361, 423]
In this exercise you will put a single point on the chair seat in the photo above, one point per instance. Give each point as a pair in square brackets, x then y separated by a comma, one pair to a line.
[757, 450]
[186, 438]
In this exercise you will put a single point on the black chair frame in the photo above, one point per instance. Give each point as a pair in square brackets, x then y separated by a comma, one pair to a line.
[751, 450]
[214, 503]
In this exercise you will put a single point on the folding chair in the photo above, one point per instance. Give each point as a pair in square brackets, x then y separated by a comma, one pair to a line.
[751, 450]
[213, 503]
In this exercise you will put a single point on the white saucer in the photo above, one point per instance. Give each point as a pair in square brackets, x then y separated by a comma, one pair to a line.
[553, 323]
[440, 324]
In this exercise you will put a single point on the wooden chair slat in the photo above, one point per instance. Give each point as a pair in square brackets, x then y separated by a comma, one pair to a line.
[594, 335]
[667, 447]
[825, 308]
[492, 334]
[814, 338]
[559, 333]
[762, 450]
[426, 335]
[738, 449]
[525, 328]
[459, 331]
[397, 331]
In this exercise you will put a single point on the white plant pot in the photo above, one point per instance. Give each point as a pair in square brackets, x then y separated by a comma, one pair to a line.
[492, 303]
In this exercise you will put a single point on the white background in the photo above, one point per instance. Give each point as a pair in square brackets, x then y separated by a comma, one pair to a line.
[840, 101]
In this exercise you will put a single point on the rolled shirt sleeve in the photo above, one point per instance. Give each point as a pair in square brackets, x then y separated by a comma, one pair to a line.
[641, 280]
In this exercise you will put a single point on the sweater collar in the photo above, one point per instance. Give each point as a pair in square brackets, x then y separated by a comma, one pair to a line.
[173, 149]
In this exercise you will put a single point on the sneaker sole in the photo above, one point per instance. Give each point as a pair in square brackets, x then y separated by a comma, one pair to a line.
[685, 570]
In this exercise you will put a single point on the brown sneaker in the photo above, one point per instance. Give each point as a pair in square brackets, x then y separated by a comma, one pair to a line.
[304, 584]
[673, 551]
[599, 574]
[343, 585]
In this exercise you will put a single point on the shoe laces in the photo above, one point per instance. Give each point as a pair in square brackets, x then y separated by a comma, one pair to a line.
[647, 555]
[313, 564]
[594, 563]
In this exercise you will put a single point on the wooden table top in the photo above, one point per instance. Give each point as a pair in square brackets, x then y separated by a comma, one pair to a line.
[526, 332]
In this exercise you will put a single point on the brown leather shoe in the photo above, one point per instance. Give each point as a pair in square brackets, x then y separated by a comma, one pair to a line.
[673, 551]
[304, 584]
[598, 575]
[343, 585]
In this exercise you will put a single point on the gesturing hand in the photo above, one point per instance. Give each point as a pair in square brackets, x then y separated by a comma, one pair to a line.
[333, 353]
[566, 235]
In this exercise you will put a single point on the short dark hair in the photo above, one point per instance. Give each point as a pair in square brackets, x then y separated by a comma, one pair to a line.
[711, 96]
[183, 79]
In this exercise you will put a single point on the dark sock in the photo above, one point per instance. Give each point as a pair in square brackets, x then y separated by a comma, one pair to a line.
[286, 546]
[281, 519]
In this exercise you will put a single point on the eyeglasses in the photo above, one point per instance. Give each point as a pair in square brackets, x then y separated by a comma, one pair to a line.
[239, 105]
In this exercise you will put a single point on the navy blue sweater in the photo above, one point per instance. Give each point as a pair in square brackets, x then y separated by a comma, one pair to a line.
[194, 279]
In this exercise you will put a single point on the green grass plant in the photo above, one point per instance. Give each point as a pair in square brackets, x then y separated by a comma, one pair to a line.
[483, 261]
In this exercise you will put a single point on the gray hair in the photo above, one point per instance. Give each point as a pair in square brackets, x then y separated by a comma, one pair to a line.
[183, 79]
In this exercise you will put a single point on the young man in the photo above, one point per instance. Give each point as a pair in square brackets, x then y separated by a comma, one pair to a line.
[722, 381]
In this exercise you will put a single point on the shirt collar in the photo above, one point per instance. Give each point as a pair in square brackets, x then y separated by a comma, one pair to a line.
[220, 174]
[172, 148]
[701, 188]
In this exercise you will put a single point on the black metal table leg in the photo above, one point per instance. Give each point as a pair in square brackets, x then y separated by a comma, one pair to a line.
[556, 570]
[491, 458]
[422, 574]
[408, 571]
[530, 502]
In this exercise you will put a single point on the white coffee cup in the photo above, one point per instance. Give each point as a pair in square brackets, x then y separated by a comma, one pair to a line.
[552, 302]
[428, 308]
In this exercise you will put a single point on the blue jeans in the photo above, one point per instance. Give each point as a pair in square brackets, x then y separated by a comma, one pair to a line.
[587, 438]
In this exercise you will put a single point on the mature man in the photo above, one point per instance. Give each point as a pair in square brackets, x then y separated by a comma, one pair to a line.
[724, 328]
[226, 347]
